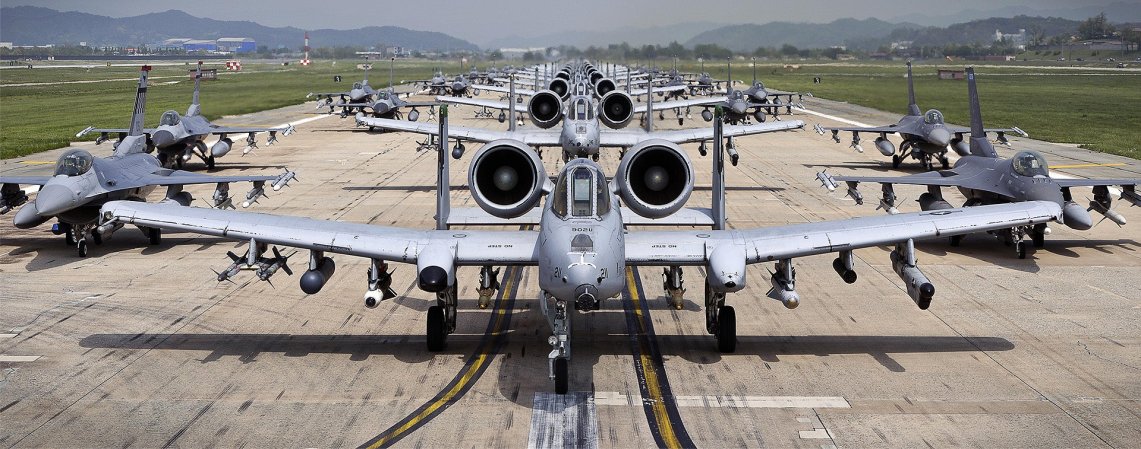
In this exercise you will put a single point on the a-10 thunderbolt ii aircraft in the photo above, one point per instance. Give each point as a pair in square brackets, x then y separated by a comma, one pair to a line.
[81, 183]
[178, 138]
[582, 111]
[925, 136]
[582, 249]
[985, 178]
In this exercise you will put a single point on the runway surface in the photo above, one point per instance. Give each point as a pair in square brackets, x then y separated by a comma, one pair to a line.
[140, 346]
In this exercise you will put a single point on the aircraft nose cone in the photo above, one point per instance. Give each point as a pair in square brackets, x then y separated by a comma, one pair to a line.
[940, 137]
[380, 107]
[738, 107]
[54, 199]
[162, 138]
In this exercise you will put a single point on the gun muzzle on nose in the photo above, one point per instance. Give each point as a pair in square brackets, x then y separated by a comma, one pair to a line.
[586, 297]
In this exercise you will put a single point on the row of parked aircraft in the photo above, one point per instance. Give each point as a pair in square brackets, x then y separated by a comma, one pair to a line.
[581, 243]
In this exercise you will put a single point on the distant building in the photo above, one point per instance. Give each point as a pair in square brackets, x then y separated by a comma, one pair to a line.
[237, 45]
[945, 74]
[199, 45]
[902, 45]
[7, 45]
[1017, 39]
[517, 53]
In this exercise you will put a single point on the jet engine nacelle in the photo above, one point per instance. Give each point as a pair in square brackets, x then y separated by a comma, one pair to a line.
[927, 201]
[885, 146]
[506, 178]
[596, 76]
[655, 178]
[560, 87]
[604, 86]
[545, 109]
[222, 147]
[960, 146]
[616, 109]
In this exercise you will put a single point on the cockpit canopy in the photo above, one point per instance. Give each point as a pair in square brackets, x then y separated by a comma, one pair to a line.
[582, 110]
[1030, 164]
[170, 118]
[358, 86]
[932, 117]
[584, 190]
[73, 163]
[737, 95]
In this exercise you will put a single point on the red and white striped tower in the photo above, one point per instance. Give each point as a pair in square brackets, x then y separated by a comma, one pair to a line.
[306, 60]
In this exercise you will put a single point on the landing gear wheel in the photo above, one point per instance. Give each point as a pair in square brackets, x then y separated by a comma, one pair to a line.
[154, 235]
[69, 236]
[896, 160]
[164, 160]
[81, 247]
[210, 162]
[97, 237]
[436, 329]
[562, 379]
[1020, 247]
[726, 330]
[956, 240]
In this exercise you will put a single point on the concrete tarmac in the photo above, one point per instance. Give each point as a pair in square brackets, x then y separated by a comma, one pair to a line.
[139, 346]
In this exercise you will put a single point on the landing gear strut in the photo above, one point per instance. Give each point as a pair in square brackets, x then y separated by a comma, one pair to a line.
[442, 318]
[674, 285]
[720, 320]
[558, 316]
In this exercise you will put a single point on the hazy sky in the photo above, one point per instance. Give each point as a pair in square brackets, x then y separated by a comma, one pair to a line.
[481, 20]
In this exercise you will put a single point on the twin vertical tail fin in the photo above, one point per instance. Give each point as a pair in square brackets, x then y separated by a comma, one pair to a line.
[139, 115]
[980, 146]
[912, 106]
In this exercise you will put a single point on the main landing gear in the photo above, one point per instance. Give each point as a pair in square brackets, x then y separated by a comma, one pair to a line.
[558, 316]
[720, 320]
[442, 318]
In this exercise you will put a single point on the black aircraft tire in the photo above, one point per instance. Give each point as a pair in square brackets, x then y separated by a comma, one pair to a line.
[562, 380]
[435, 331]
[154, 235]
[956, 240]
[1021, 248]
[726, 330]
[895, 161]
[210, 162]
[69, 236]
[81, 248]
[97, 237]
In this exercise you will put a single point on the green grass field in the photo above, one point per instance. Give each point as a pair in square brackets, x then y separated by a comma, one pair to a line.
[44, 117]
[1099, 109]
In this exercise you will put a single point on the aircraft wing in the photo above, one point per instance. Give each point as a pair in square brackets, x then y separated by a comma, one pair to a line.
[1081, 182]
[962, 130]
[167, 177]
[501, 105]
[941, 178]
[631, 137]
[657, 90]
[533, 137]
[470, 247]
[874, 129]
[325, 94]
[249, 129]
[92, 129]
[665, 105]
[796, 240]
[25, 180]
[505, 90]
